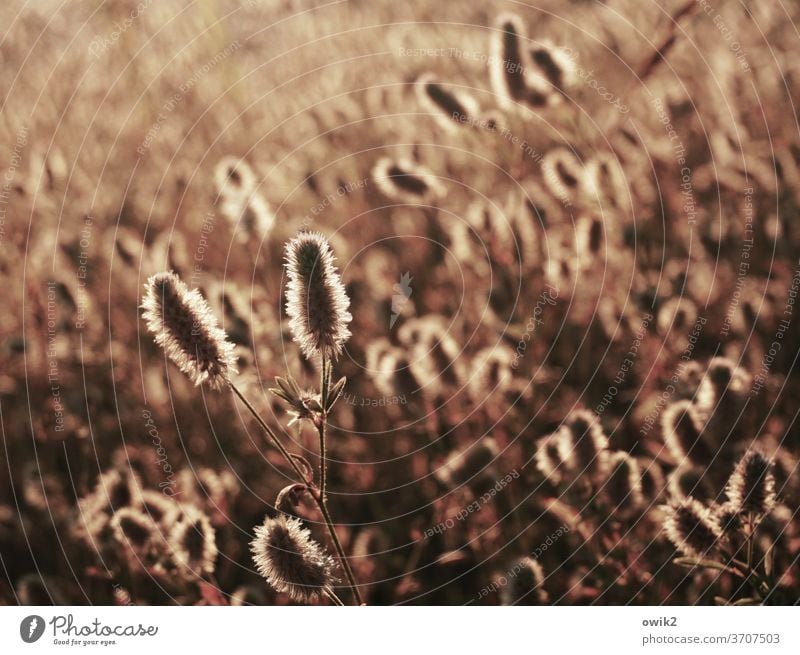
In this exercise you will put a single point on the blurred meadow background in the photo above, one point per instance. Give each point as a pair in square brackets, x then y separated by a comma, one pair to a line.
[569, 235]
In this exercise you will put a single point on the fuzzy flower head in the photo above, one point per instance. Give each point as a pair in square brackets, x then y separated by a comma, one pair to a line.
[316, 301]
[475, 464]
[584, 445]
[682, 427]
[234, 177]
[623, 486]
[117, 488]
[404, 181]
[692, 527]
[134, 529]
[290, 560]
[184, 326]
[451, 107]
[552, 66]
[524, 584]
[513, 72]
[724, 382]
[193, 542]
[157, 506]
[548, 457]
[751, 487]
[250, 216]
[729, 517]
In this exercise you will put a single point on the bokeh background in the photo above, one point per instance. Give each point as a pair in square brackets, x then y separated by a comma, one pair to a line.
[618, 242]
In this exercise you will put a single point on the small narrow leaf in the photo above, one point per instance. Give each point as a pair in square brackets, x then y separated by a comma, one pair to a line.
[335, 392]
[295, 387]
[288, 388]
[313, 405]
[281, 394]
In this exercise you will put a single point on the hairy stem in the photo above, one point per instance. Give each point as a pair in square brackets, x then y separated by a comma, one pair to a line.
[750, 530]
[323, 392]
[339, 550]
[322, 500]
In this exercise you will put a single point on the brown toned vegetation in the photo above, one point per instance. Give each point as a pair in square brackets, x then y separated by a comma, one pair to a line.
[569, 254]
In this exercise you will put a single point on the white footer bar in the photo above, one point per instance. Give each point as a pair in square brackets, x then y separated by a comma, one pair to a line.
[400, 630]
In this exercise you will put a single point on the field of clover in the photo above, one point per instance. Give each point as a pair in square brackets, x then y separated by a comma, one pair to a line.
[388, 303]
